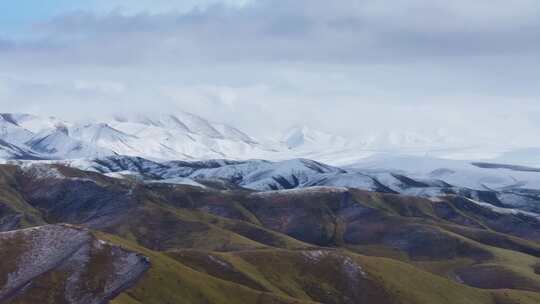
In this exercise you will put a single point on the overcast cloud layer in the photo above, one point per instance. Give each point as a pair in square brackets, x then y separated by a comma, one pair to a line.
[469, 67]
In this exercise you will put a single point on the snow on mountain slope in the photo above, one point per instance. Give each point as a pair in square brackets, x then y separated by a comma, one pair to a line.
[169, 144]
[501, 186]
[11, 132]
[398, 140]
[263, 175]
[527, 156]
[165, 137]
[232, 133]
[303, 137]
[253, 174]
[34, 123]
[199, 125]
[327, 155]
[455, 172]
[161, 137]
[181, 122]
[104, 136]
[345, 179]
[266, 175]
[56, 143]
[304, 142]
[166, 121]
[10, 151]
[185, 136]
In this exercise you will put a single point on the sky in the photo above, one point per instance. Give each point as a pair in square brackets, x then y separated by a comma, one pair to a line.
[468, 69]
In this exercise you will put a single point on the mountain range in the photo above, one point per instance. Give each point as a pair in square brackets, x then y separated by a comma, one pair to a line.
[185, 136]
[177, 209]
[77, 236]
[187, 149]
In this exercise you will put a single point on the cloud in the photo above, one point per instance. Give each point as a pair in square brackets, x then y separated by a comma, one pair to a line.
[159, 6]
[298, 31]
[5, 45]
[346, 66]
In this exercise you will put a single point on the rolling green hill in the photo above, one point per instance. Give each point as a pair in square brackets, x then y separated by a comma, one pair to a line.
[315, 245]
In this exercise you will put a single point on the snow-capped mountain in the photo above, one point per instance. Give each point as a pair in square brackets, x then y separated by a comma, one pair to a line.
[11, 132]
[460, 173]
[305, 138]
[502, 186]
[169, 137]
[387, 140]
[33, 123]
[199, 125]
[104, 136]
[187, 149]
[58, 144]
[185, 136]
[9, 151]
[233, 133]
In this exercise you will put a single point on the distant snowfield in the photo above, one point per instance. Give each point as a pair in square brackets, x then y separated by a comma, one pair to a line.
[185, 136]
[189, 150]
[459, 173]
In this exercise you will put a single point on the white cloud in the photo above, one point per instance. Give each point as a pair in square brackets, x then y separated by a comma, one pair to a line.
[345, 66]
[160, 6]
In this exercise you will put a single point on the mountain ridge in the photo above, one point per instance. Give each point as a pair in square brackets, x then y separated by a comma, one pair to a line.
[331, 245]
[186, 136]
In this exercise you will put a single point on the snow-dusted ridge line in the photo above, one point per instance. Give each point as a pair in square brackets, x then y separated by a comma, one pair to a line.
[185, 136]
[303, 176]
[186, 149]
[299, 191]
[504, 210]
[302, 173]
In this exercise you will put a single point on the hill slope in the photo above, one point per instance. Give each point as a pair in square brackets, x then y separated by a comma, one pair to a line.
[233, 245]
[64, 264]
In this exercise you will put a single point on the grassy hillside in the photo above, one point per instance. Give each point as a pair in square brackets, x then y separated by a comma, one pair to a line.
[296, 276]
[321, 245]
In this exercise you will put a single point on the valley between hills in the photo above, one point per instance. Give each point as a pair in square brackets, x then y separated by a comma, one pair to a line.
[75, 236]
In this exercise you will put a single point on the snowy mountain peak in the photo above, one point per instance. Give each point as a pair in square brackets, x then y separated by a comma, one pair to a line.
[57, 144]
[186, 136]
[387, 140]
[104, 136]
[403, 140]
[62, 128]
[303, 136]
[7, 118]
[97, 132]
[187, 123]
[233, 133]
[32, 123]
[10, 151]
[161, 121]
[11, 132]
[199, 125]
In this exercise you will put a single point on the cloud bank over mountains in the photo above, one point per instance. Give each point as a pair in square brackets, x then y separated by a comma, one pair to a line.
[346, 67]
